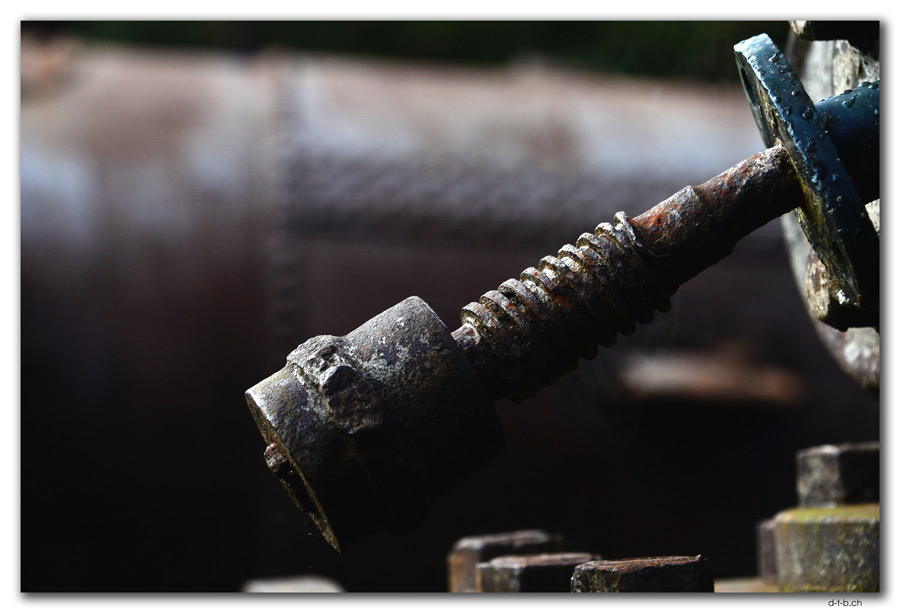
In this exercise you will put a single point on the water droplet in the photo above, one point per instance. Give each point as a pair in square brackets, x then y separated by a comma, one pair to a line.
[776, 58]
[776, 99]
[848, 102]
[806, 114]
[876, 111]
[815, 178]
[796, 92]
[787, 110]
[874, 85]
[865, 84]
[838, 199]
[846, 91]
[811, 145]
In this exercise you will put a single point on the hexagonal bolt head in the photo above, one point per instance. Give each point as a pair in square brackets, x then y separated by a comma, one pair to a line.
[542, 572]
[469, 551]
[367, 431]
[838, 474]
[666, 574]
[828, 549]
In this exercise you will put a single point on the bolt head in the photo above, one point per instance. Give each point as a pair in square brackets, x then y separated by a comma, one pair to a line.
[838, 474]
[368, 430]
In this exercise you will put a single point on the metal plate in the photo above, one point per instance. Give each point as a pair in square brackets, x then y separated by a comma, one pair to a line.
[833, 217]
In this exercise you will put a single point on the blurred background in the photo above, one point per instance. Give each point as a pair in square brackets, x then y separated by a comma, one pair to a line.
[198, 198]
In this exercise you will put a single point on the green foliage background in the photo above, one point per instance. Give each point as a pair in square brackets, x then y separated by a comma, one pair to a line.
[679, 49]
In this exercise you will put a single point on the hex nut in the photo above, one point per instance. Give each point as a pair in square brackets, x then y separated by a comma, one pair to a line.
[665, 574]
[828, 549]
[469, 551]
[838, 474]
[542, 572]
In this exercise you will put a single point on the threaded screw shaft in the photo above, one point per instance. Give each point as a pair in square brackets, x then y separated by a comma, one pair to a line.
[531, 330]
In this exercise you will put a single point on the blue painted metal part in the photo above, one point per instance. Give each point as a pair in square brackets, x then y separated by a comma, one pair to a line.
[818, 141]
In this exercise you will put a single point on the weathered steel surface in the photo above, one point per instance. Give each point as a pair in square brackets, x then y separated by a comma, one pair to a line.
[665, 574]
[519, 338]
[839, 474]
[147, 186]
[531, 330]
[469, 551]
[833, 215]
[829, 549]
[392, 415]
[542, 572]
[366, 431]
[828, 67]
[831, 542]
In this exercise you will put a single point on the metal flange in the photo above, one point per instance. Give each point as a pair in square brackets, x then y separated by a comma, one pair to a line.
[833, 216]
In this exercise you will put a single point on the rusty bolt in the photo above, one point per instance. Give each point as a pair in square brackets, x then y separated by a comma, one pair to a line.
[391, 416]
[368, 430]
[665, 574]
[829, 549]
[468, 552]
[838, 474]
[541, 572]
[533, 329]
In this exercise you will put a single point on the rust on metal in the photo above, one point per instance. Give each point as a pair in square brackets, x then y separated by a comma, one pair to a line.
[829, 549]
[839, 474]
[661, 574]
[830, 543]
[469, 551]
[393, 415]
[542, 572]
[368, 430]
[834, 147]
[533, 329]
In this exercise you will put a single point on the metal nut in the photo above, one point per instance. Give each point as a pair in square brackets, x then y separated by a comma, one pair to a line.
[666, 574]
[468, 552]
[828, 549]
[542, 572]
[838, 474]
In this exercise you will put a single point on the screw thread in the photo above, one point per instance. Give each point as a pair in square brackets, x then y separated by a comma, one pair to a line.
[537, 326]
[532, 330]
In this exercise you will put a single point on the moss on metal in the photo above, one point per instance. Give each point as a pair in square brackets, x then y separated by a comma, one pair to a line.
[829, 549]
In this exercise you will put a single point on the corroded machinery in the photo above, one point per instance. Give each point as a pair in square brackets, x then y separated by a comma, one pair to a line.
[395, 413]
